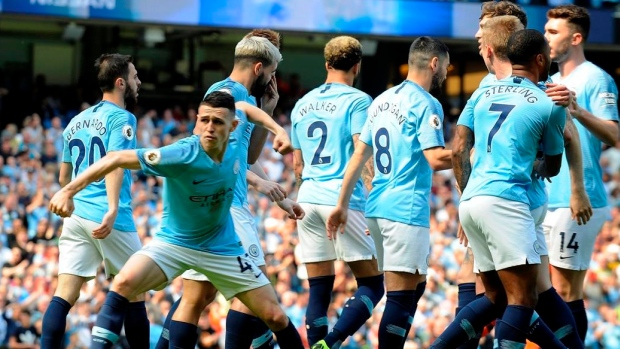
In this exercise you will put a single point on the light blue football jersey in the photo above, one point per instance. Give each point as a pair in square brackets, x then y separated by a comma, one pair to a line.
[511, 118]
[536, 193]
[402, 122]
[197, 195]
[324, 122]
[90, 135]
[241, 135]
[598, 94]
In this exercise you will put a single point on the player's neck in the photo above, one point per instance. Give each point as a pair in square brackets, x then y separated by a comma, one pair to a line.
[339, 77]
[571, 63]
[114, 98]
[502, 69]
[523, 71]
[421, 78]
[216, 154]
[241, 76]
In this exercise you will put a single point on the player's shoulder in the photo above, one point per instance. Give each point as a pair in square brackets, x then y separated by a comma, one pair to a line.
[236, 89]
[488, 79]
[593, 74]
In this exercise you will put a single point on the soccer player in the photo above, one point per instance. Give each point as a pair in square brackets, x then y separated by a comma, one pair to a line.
[511, 118]
[495, 33]
[595, 109]
[256, 59]
[197, 231]
[404, 137]
[101, 227]
[326, 124]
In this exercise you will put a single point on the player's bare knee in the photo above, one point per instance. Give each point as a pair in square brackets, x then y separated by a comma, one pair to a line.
[124, 286]
[275, 318]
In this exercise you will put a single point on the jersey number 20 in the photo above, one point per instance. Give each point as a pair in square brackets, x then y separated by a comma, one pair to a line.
[78, 143]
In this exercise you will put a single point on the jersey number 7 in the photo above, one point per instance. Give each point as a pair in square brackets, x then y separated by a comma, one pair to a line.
[504, 110]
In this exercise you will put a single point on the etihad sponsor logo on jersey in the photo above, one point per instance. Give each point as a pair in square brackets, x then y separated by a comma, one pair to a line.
[608, 98]
[214, 199]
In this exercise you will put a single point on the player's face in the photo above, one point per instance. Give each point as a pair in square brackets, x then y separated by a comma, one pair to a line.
[440, 74]
[545, 64]
[132, 87]
[214, 126]
[478, 35]
[264, 75]
[560, 36]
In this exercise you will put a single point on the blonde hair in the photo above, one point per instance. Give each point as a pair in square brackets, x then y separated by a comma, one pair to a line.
[343, 52]
[257, 49]
[496, 32]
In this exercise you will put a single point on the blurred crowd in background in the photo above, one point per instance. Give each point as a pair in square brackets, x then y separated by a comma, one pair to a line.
[29, 157]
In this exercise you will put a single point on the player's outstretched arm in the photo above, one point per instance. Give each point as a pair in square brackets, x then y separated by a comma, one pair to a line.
[462, 145]
[272, 190]
[282, 142]
[338, 218]
[579, 201]
[605, 130]
[62, 202]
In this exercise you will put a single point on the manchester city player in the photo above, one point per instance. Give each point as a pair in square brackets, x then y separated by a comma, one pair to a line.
[511, 117]
[596, 111]
[326, 124]
[404, 137]
[197, 231]
[101, 227]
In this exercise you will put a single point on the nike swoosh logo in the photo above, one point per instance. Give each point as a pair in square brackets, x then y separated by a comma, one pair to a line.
[198, 182]
[562, 257]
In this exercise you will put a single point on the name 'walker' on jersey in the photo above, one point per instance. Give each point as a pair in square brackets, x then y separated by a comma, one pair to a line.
[90, 135]
[323, 124]
[402, 122]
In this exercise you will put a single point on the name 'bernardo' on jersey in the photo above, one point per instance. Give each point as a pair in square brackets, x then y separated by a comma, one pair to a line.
[213, 200]
[318, 106]
[94, 124]
[391, 108]
[527, 93]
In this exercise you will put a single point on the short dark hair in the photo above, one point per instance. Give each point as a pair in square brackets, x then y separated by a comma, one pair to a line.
[503, 8]
[577, 17]
[271, 35]
[423, 49]
[111, 66]
[219, 99]
[524, 45]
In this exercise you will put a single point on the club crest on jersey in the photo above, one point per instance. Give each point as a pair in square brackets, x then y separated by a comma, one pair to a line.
[152, 157]
[253, 250]
[236, 167]
[128, 132]
[435, 122]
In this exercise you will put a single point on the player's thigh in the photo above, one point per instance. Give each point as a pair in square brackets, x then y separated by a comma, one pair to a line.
[571, 244]
[245, 227]
[510, 232]
[468, 215]
[169, 259]
[377, 237]
[315, 247]
[263, 302]
[538, 215]
[78, 253]
[231, 275]
[354, 244]
[406, 248]
[115, 249]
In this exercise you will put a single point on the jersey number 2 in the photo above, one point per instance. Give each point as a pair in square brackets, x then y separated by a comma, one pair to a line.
[504, 110]
[318, 159]
[78, 143]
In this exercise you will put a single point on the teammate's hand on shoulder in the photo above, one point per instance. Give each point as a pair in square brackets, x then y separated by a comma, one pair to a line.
[62, 204]
[559, 94]
[580, 207]
[282, 143]
[336, 221]
[293, 209]
[270, 99]
[272, 190]
[105, 228]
